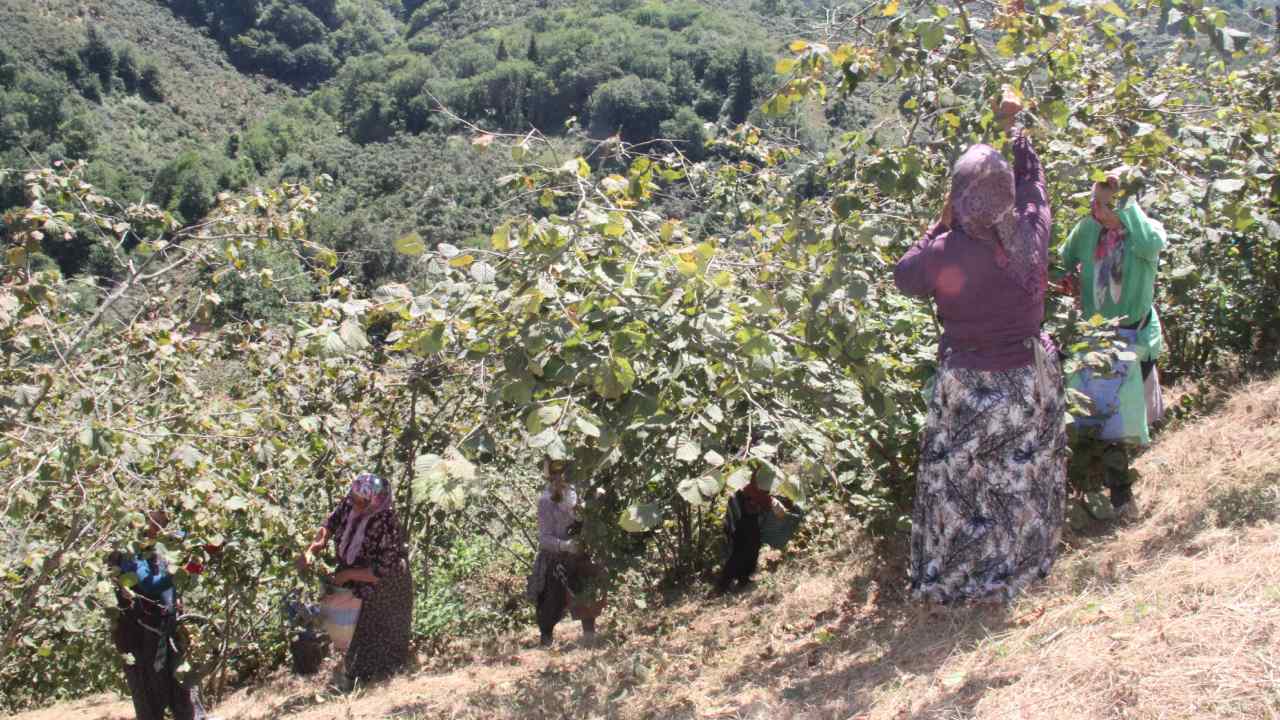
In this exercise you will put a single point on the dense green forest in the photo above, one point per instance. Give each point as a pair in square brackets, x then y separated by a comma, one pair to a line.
[254, 245]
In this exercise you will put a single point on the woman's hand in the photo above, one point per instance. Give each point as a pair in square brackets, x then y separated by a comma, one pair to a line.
[304, 560]
[1104, 195]
[1105, 191]
[1069, 286]
[354, 574]
[1007, 107]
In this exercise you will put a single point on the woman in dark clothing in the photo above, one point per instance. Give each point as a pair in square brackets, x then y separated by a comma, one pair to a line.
[146, 629]
[742, 526]
[562, 570]
[373, 561]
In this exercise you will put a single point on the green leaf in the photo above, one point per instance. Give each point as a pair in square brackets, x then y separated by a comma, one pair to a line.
[353, 336]
[483, 273]
[713, 458]
[586, 427]
[715, 414]
[542, 417]
[615, 184]
[890, 9]
[188, 455]
[1228, 185]
[411, 245]
[447, 481]
[429, 341]
[26, 395]
[641, 517]
[519, 392]
[739, 478]
[1114, 9]
[544, 439]
[501, 239]
[688, 451]
[932, 34]
[614, 378]
[763, 451]
[688, 489]
[709, 485]
[392, 291]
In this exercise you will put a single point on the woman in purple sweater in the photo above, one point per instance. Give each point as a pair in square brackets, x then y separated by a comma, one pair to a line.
[991, 485]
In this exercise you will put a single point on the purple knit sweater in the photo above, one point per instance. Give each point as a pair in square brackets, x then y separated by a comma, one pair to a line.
[986, 316]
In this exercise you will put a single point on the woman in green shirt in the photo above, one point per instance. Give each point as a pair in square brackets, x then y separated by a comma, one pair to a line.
[1116, 254]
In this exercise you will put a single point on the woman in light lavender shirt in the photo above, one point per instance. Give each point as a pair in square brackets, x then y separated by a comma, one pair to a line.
[990, 491]
[562, 569]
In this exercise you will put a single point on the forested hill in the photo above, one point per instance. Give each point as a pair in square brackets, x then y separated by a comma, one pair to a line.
[251, 246]
[177, 101]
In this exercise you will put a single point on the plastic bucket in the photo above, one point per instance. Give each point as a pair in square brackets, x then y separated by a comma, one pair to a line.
[339, 611]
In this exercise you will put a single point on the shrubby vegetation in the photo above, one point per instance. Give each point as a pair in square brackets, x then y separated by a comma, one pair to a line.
[626, 72]
[98, 69]
[444, 303]
[302, 43]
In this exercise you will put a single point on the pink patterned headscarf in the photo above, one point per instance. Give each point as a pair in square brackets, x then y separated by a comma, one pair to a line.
[378, 492]
[983, 203]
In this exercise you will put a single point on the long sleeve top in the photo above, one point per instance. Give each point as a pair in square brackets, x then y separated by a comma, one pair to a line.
[384, 550]
[986, 315]
[1125, 291]
[555, 519]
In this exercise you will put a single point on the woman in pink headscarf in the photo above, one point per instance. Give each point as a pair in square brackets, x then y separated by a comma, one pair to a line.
[373, 561]
[991, 484]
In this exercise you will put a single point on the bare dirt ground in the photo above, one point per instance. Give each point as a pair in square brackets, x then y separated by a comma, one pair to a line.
[1174, 614]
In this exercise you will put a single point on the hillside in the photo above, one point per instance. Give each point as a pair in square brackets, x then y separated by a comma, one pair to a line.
[443, 241]
[1175, 615]
[135, 134]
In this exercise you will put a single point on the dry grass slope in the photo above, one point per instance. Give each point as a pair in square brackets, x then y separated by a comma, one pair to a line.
[1175, 615]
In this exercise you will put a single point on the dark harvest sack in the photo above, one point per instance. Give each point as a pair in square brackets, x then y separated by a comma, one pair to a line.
[777, 531]
[308, 652]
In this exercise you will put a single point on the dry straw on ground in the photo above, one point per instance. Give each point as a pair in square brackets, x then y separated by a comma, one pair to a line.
[1173, 615]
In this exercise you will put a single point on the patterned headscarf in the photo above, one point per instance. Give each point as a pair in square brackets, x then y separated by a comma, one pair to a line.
[982, 202]
[1108, 256]
[378, 492]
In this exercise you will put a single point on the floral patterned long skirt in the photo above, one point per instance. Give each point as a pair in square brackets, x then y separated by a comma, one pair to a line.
[380, 645]
[991, 488]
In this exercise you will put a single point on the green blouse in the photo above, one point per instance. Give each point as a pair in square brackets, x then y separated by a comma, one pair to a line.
[1126, 294]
